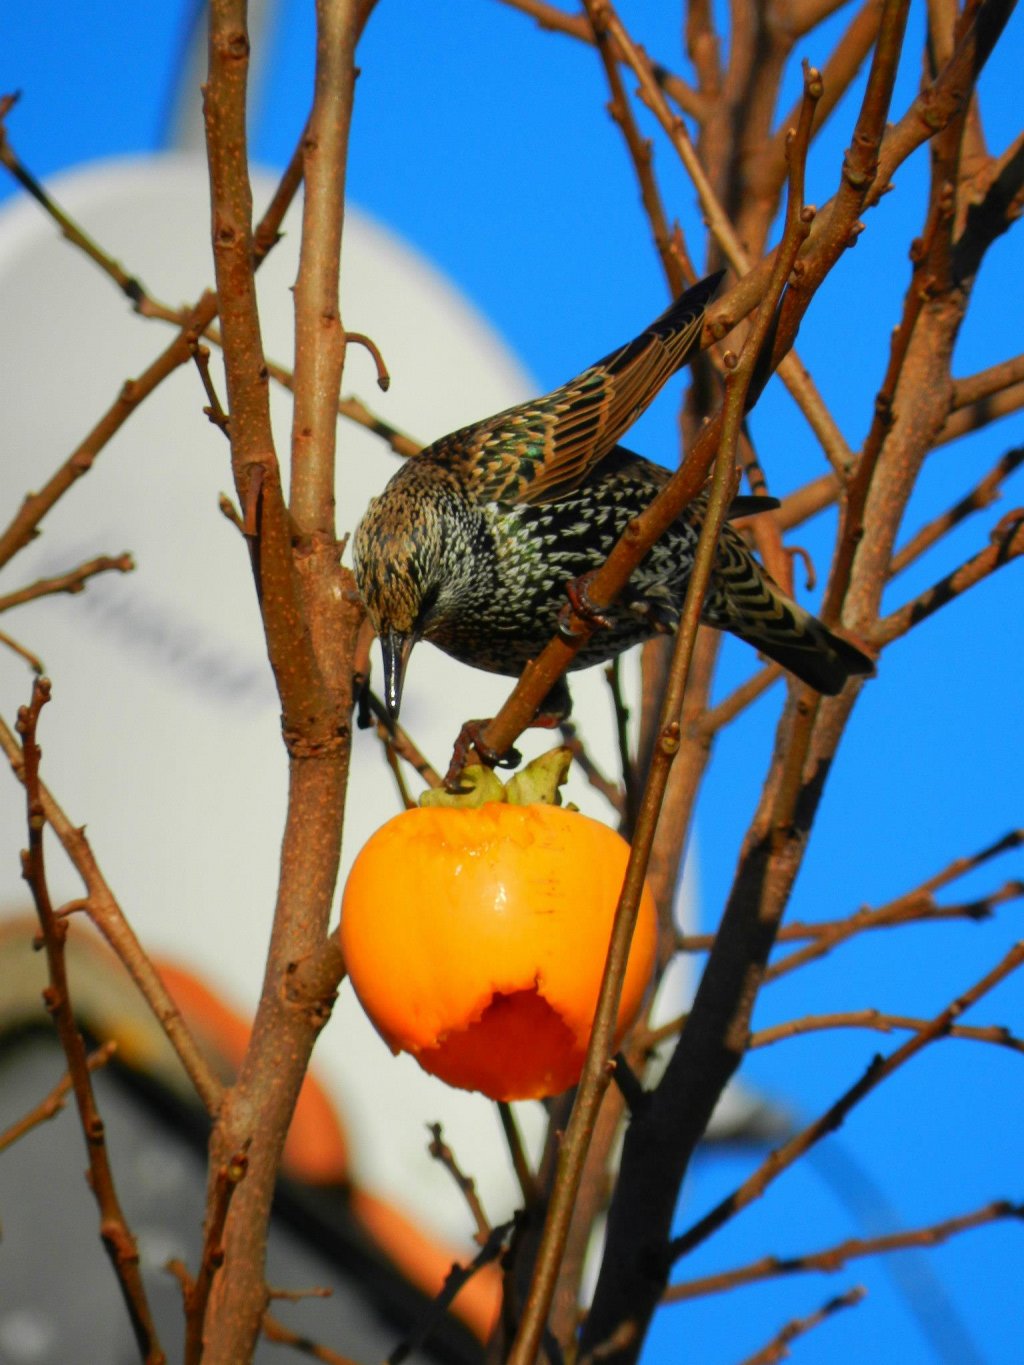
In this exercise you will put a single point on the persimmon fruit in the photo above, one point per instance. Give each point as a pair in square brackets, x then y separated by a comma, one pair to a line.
[476, 940]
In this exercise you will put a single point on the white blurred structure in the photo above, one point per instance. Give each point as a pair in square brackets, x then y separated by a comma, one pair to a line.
[163, 733]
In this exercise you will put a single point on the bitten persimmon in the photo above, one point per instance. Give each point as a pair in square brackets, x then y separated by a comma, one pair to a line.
[476, 940]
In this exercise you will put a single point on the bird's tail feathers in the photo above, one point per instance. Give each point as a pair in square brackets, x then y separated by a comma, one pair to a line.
[750, 604]
[811, 652]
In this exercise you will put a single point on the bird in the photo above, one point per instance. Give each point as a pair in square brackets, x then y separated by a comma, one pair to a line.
[473, 542]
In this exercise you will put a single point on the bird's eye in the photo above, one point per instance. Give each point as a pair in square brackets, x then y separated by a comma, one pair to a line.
[427, 604]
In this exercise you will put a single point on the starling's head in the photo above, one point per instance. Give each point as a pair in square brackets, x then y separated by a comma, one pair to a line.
[398, 554]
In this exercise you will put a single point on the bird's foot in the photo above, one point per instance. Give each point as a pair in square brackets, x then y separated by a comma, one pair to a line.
[470, 739]
[580, 602]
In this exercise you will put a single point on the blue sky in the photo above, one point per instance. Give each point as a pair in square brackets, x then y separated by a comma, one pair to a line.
[485, 143]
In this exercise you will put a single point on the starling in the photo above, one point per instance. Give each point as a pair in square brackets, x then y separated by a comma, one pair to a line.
[474, 540]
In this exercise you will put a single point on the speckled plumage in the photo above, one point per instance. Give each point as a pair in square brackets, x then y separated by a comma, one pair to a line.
[472, 543]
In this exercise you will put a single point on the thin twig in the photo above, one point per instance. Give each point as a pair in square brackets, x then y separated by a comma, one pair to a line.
[1007, 544]
[316, 1291]
[25, 523]
[52, 1105]
[880, 1070]
[595, 1075]
[455, 1280]
[836, 1257]
[909, 910]
[33, 660]
[883, 1023]
[576, 26]
[70, 230]
[982, 495]
[720, 715]
[977, 387]
[391, 756]
[108, 917]
[837, 74]
[639, 149]
[197, 1294]
[517, 1152]
[73, 581]
[611, 791]
[627, 760]
[443, 1154]
[400, 742]
[274, 1330]
[977, 416]
[791, 370]
[778, 1348]
[115, 1234]
[361, 339]
[351, 408]
[214, 411]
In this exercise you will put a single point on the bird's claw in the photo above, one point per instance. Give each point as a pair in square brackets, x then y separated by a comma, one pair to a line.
[581, 605]
[471, 737]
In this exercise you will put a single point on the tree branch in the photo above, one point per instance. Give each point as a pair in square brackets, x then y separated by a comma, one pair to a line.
[778, 1348]
[880, 1069]
[1007, 544]
[836, 1257]
[72, 582]
[115, 1234]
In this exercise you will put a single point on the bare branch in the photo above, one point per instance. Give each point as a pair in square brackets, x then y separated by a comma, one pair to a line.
[883, 1023]
[879, 1070]
[73, 581]
[457, 1277]
[25, 524]
[791, 371]
[49, 1107]
[274, 1330]
[70, 230]
[517, 1152]
[197, 1293]
[442, 1153]
[33, 660]
[118, 1241]
[836, 1257]
[975, 416]
[1007, 544]
[986, 383]
[640, 153]
[595, 1076]
[576, 26]
[778, 1348]
[109, 919]
[982, 495]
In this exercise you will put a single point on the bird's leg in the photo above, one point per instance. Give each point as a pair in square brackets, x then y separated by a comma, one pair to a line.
[556, 707]
[578, 593]
[470, 739]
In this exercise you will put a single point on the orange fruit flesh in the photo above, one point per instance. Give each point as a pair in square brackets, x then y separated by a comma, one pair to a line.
[519, 1049]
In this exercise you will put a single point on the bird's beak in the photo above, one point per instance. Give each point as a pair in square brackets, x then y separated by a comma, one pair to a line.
[395, 647]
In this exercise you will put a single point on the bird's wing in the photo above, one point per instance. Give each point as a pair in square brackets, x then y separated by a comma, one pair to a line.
[544, 449]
